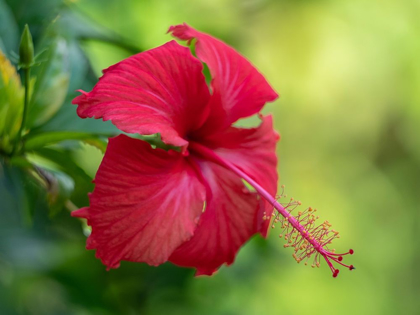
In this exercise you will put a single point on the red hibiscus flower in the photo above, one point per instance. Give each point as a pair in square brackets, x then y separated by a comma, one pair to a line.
[191, 207]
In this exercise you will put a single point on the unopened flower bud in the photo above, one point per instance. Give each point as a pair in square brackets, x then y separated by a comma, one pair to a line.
[26, 49]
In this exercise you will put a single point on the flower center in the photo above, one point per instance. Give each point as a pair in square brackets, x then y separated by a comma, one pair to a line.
[307, 238]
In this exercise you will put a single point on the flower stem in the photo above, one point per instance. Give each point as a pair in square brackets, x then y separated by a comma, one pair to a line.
[26, 75]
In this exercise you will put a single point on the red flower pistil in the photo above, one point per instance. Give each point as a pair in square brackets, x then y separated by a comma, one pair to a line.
[306, 237]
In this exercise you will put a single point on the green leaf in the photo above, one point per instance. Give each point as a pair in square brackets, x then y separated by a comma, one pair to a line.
[58, 185]
[79, 69]
[20, 194]
[59, 188]
[34, 13]
[40, 140]
[67, 164]
[11, 104]
[9, 34]
[2, 47]
[98, 143]
[11, 195]
[52, 80]
[20, 161]
[75, 25]
[67, 120]
[155, 141]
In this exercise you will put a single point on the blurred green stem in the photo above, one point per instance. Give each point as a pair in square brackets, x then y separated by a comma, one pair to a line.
[26, 75]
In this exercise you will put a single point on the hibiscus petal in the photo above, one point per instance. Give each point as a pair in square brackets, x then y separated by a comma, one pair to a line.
[161, 90]
[228, 221]
[254, 152]
[146, 203]
[239, 90]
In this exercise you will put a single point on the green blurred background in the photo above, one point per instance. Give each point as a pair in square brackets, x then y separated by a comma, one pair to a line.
[349, 115]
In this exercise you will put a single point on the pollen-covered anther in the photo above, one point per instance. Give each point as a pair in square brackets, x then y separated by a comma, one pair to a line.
[308, 239]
